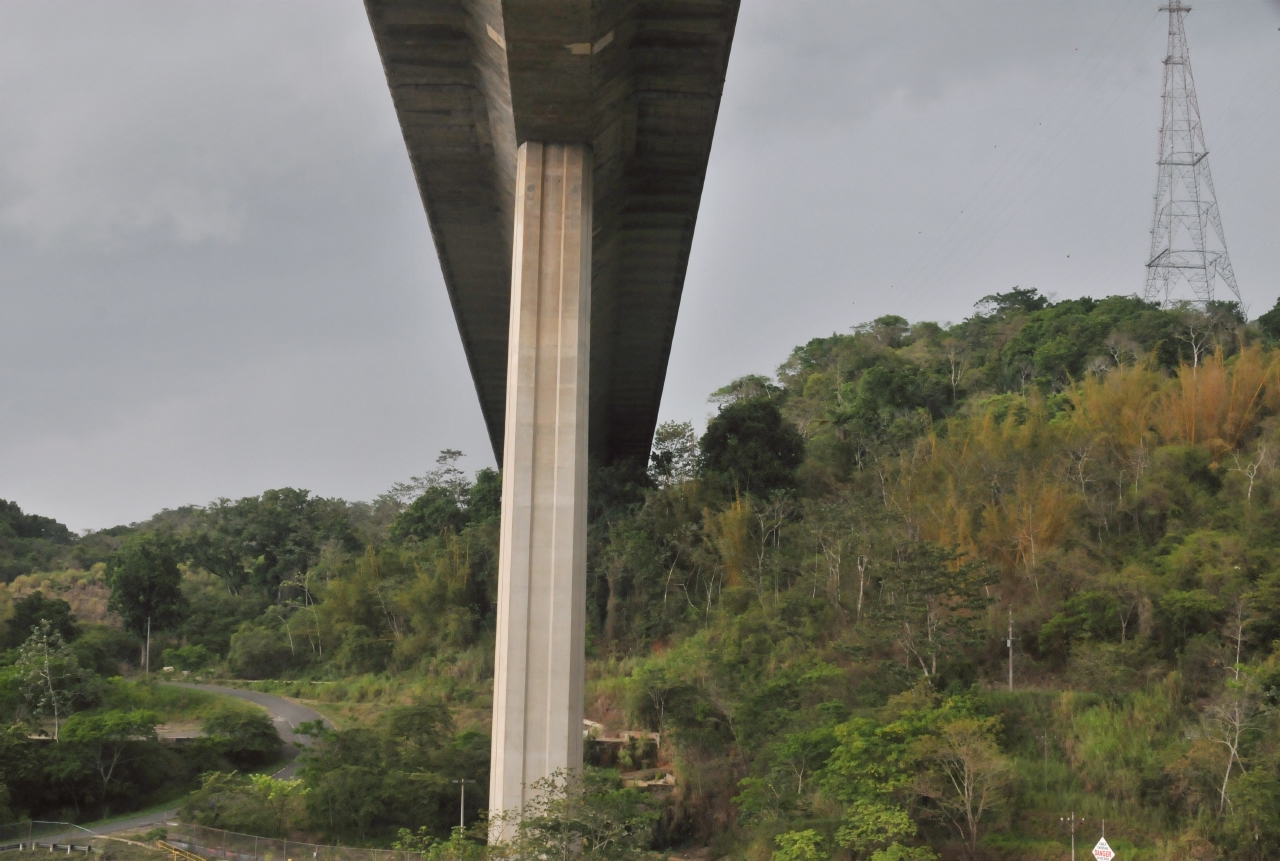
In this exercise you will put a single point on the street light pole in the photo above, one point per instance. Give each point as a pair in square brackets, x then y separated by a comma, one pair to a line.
[462, 801]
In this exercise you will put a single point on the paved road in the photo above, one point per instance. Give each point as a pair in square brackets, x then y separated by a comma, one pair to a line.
[286, 714]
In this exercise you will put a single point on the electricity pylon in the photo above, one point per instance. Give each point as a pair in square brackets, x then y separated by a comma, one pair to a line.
[1187, 243]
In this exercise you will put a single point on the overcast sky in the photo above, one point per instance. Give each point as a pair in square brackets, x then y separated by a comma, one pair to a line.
[216, 276]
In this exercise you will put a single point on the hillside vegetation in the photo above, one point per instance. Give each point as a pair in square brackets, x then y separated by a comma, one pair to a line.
[812, 602]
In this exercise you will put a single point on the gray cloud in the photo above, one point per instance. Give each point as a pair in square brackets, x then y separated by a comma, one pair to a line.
[216, 275]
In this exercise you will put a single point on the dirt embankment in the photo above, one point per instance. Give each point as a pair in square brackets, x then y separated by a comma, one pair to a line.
[86, 591]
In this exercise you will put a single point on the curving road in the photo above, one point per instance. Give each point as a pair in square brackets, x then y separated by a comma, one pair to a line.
[286, 714]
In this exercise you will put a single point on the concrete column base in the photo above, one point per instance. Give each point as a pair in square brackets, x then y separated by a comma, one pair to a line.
[538, 674]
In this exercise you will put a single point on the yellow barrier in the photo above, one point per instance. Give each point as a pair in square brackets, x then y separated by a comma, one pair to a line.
[178, 854]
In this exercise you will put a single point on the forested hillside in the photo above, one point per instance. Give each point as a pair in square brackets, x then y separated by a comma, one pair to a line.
[812, 603]
[28, 542]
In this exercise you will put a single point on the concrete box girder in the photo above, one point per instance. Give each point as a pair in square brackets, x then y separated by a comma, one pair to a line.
[472, 79]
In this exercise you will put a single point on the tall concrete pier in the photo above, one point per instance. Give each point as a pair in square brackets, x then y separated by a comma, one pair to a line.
[542, 564]
[560, 148]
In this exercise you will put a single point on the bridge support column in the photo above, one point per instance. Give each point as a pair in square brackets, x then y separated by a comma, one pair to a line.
[538, 673]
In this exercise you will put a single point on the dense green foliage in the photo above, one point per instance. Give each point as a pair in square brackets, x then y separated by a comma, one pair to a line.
[750, 448]
[75, 746]
[588, 814]
[145, 584]
[28, 542]
[358, 784]
[810, 603]
[246, 737]
[365, 781]
[30, 611]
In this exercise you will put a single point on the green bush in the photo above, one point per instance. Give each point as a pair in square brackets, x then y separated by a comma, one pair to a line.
[363, 652]
[34, 609]
[187, 657]
[104, 649]
[244, 735]
[257, 653]
[749, 445]
[249, 804]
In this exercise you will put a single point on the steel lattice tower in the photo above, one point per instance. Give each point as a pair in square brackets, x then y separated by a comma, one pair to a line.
[1187, 243]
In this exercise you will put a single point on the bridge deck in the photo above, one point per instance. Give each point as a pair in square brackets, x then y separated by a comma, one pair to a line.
[638, 81]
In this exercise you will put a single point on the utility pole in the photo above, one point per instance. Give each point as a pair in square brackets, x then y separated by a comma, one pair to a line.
[1071, 823]
[1187, 242]
[147, 662]
[1045, 738]
[462, 801]
[1009, 643]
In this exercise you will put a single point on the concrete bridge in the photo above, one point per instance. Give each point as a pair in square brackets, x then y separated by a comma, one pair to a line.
[560, 148]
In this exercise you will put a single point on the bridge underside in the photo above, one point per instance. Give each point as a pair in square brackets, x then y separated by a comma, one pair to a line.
[639, 83]
[560, 147]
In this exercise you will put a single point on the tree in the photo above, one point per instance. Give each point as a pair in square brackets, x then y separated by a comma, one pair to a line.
[23, 768]
[446, 476]
[280, 798]
[876, 831]
[32, 525]
[29, 542]
[750, 445]
[587, 815]
[1024, 299]
[375, 779]
[49, 675]
[436, 510]
[484, 502]
[967, 776]
[799, 846]
[444, 499]
[108, 741]
[1088, 615]
[872, 770]
[675, 454]
[144, 578]
[246, 736]
[746, 388]
[266, 542]
[1227, 721]
[932, 602]
[34, 609]
[257, 652]
[1183, 614]
[1251, 830]
[193, 657]
[1269, 322]
[918, 748]
[459, 846]
[253, 804]
[422, 730]
[954, 351]
[349, 799]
